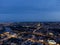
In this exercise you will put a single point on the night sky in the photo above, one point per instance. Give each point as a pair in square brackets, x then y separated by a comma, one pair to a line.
[29, 10]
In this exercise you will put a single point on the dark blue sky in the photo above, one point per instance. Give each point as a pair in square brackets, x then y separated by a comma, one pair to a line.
[29, 10]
